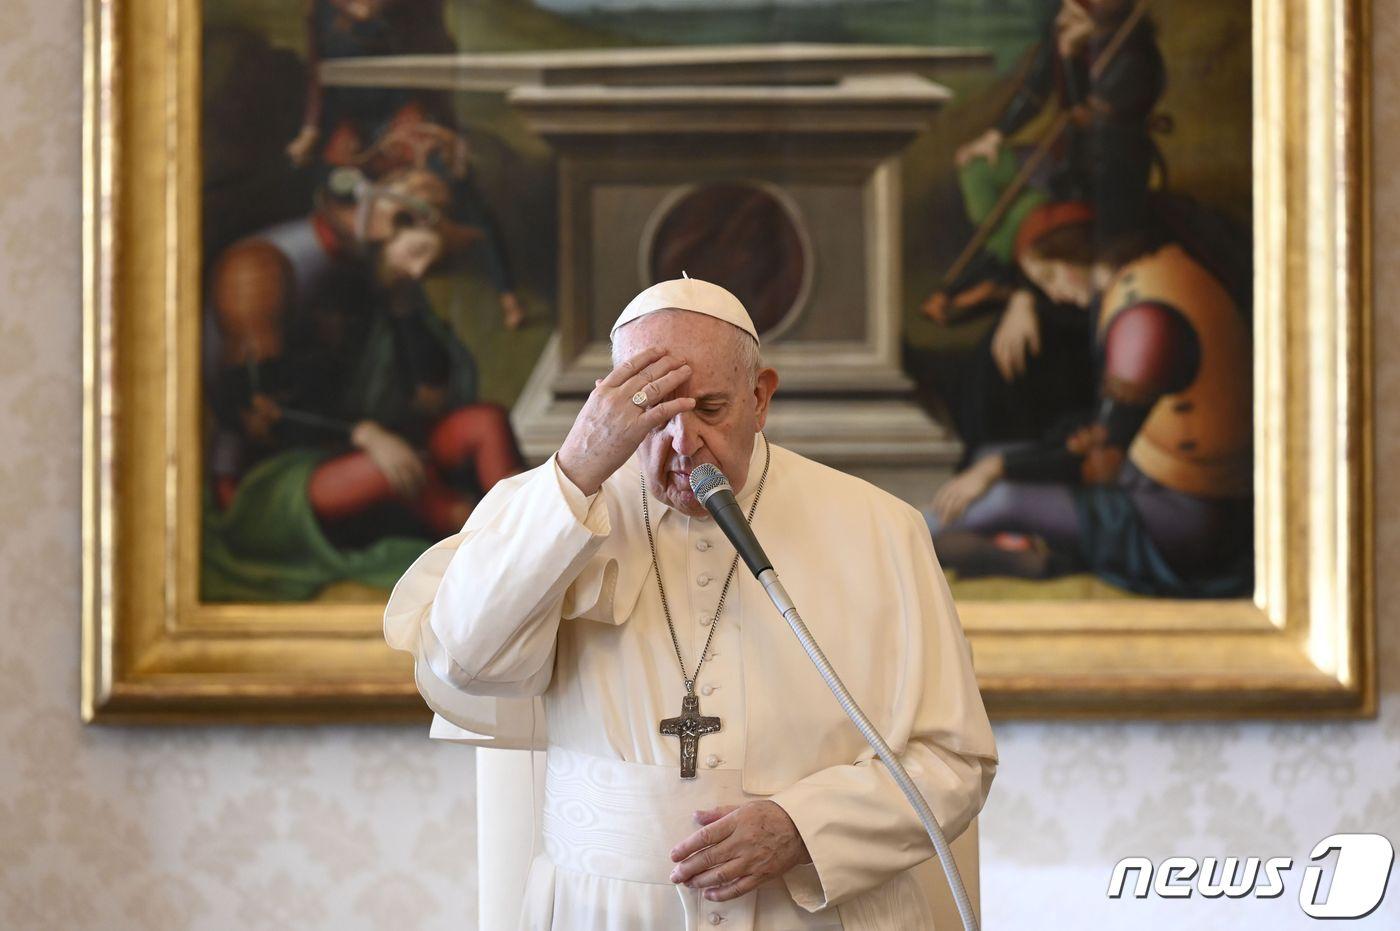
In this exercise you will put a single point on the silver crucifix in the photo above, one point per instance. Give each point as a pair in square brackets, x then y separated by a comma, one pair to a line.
[690, 725]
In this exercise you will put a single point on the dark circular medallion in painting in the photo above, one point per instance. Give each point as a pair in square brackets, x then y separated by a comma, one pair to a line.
[739, 236]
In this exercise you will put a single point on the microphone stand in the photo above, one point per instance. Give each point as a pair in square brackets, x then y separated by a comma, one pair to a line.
[779, 596]
[713, 491]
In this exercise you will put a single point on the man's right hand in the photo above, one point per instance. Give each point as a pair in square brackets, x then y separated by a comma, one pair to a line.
[610, 427]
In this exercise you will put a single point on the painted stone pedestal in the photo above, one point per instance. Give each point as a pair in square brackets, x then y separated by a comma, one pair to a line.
[773, 170]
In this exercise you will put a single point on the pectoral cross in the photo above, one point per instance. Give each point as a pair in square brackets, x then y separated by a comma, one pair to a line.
[690, 725]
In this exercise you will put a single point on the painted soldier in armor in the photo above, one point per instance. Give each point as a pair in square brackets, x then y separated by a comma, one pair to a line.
[1106, 154]
[1154, 493]
[340, 124]
[346, 428]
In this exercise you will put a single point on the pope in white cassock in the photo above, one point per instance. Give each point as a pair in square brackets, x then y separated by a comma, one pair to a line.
[698, 769]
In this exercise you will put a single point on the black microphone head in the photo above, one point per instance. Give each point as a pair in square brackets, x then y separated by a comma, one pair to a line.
[705, 480]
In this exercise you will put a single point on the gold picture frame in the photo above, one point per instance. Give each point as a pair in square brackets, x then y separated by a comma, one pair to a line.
[1302, 646]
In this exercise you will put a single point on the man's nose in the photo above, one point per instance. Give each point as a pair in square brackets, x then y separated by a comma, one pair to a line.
[685, 439]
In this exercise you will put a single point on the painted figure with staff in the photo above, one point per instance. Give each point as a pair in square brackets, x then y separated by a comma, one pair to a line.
[1097, 74]
[1100, 67]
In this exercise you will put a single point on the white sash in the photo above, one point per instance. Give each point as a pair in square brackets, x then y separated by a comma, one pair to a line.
[620, 820]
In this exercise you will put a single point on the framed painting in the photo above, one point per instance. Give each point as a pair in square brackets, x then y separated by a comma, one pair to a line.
[1086, 281]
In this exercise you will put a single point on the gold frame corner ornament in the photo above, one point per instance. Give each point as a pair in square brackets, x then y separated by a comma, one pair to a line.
[1303, 646]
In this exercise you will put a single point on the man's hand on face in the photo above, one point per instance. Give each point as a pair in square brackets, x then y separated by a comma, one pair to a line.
[611, 427]
[738, 849]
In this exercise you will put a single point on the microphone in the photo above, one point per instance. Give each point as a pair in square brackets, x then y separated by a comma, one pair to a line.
[714, 492]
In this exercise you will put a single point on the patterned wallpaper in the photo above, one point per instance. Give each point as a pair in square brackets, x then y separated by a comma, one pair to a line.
[351, 828]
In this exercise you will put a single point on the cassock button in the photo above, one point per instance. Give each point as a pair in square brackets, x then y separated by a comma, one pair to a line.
[716, 918]
[712, 761]
[708, 690]
[702, 545]
[707, 619]
[703, 580]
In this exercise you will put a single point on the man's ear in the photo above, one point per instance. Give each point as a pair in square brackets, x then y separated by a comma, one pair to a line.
[765, 383]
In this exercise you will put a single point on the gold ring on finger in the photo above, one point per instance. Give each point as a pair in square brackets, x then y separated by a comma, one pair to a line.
[641, 398]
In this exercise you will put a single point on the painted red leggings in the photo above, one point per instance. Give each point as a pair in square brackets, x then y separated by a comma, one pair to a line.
[477, 433]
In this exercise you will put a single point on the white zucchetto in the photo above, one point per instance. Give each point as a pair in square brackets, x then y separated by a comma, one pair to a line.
[702, 297]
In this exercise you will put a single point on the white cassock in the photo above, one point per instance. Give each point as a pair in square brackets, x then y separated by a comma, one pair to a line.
[548, 593]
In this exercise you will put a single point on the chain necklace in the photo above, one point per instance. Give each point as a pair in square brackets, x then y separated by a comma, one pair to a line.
[690, 725]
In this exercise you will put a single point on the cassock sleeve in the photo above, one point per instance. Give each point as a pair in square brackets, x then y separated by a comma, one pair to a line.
[858, 827]
[481, 609]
